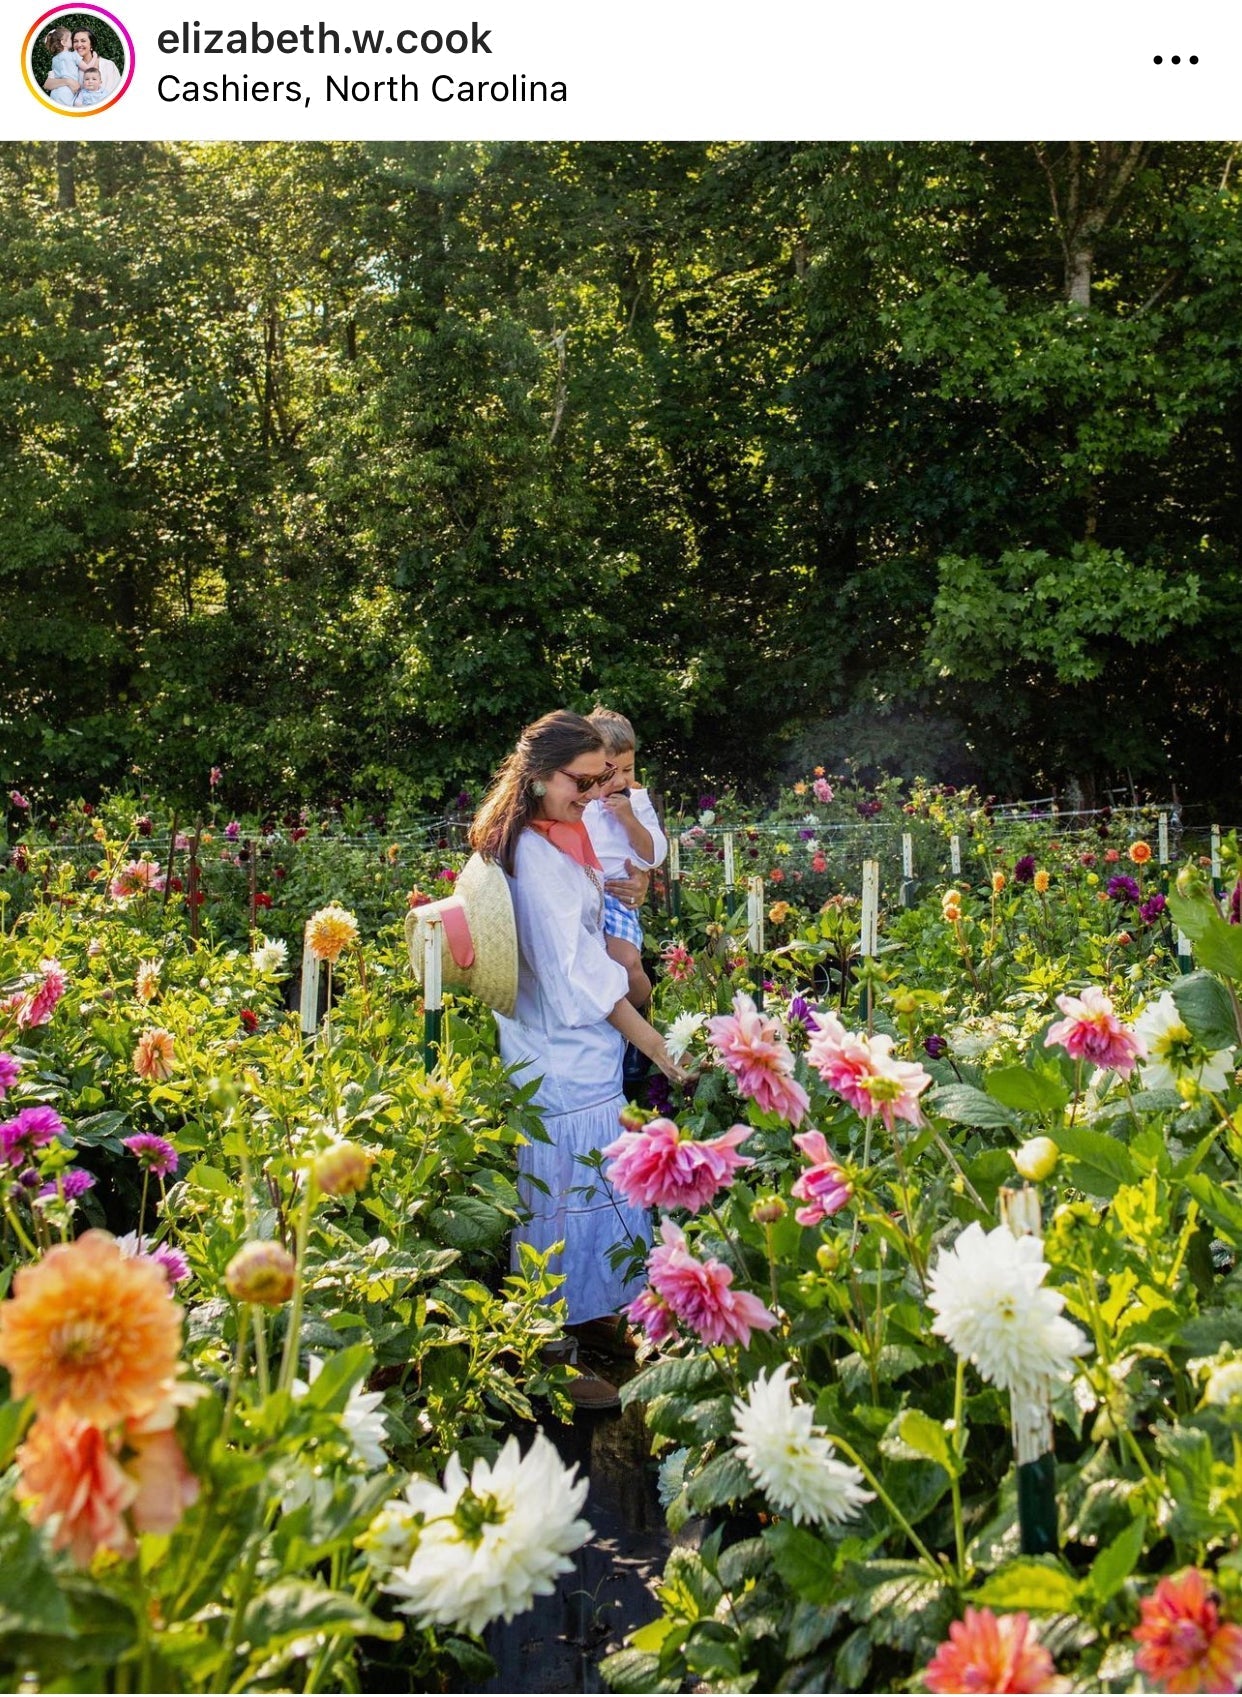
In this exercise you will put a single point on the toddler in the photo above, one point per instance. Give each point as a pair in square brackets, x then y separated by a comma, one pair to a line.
[624, 833]
[65, 66]
[92, 89]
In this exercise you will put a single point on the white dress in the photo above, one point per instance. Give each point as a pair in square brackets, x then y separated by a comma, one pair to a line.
[559, 1033]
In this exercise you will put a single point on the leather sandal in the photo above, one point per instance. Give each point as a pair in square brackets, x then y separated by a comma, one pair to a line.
[607, 1337]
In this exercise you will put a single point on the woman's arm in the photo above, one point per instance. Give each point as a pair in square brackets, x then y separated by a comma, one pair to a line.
[647, 1040]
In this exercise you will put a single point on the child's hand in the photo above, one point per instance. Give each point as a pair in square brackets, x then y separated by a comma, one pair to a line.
[619, 805]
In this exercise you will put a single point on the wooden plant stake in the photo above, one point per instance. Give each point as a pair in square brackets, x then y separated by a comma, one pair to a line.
[169, 865]
[312, 966]
[907, 869]
[433, 994]
[1218, 886]
[674, 876]
[252, 863]
[1162, 828]
[1185, 954]
[755, 942]
[955, 855]
[1030, 1413]
[192, 882]
[867, 940]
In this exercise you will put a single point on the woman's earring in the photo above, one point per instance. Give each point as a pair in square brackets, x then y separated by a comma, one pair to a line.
[538, 788]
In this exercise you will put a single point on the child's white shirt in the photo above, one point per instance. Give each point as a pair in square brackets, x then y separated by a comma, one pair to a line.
[610, 841]
[67, 64]
[90, 96]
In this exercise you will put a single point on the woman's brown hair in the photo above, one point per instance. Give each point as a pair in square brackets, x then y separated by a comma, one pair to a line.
[509, 806]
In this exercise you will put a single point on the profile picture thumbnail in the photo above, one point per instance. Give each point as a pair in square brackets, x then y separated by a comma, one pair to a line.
[78, 60]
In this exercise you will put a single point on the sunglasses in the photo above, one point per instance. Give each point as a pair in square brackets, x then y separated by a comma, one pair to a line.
[586, 785]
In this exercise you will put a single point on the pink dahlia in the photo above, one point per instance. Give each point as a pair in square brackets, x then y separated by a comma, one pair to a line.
[701, 1294]
[862, 1070]
[1185, 1645]
[10, 1071]
[653, 1315]
[823, 1186]
[659, 1167]
[31, 1129]
[36, 1006]
[1092, 1032]
[822, 789]
[678, 963]
[988, 1652]
[135, 878]
[752, 1049]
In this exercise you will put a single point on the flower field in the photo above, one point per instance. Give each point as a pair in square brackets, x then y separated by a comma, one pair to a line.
[942, 1321]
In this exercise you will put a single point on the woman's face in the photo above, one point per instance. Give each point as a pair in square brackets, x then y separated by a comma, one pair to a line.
[563, 800]
[82, 46]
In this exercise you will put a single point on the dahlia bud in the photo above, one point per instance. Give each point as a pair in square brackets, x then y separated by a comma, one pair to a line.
[828, 1257]
[768, 1210]
[261, 1271]
[632, 1118]
[343, 1170]
[1036, 1159]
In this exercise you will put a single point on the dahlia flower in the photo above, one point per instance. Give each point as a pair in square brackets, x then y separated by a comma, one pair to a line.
[153, 1055]
[330, 932]
[992, 1307]
[10, 1072]
[492, 1542]
[988, 1652]
[136, 878]
[1172, 1053]
[789, 1459]
[1184, 1643]
[752, 1049]
[659, 1167]
[261, 1271]
[682, 1031]
[823, 1186]
[153, 1154]
[89, 1333]
[28, 1130]
[653, 1316]
[147, 980]
[1092, 1032]
[364, 1425]
[701, 1294]
[862, 1070]
[271, 956]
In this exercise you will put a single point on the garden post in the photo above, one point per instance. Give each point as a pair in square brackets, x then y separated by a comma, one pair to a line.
[868, 925]
[674, 875]
[253, 866]
[1030, 1412]
[1162, 827]
[192, 890]
[433, 997]
[1185, 955]
[171, 863]
[1218, 886]
[308, 1005]
[730, 872]
[907, 868]
[955, 855]
[754, 932]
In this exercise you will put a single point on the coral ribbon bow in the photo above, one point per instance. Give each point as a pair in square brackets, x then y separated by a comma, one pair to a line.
[570, 839]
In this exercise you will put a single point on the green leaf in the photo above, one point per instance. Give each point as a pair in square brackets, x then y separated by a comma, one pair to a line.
[723, 1480]
[674, 1377]
[635, 1670]
[965, 1105]
[468, 1222]
[1100, 1162]
[296, 1608]
[928, 1438]
[1204, 1004]
[1217, 944]
[1224, 1210]
[1027, 1090]
[1114, 1564]
[804, 1561]
[1044, 1587]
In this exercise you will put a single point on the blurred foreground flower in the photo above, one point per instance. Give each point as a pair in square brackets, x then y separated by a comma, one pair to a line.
[1172, 1053]
[988, 1652]
[1185, 1645]
[792, 1462]
[90, 1333]
[262, 1272]
[491, 1543]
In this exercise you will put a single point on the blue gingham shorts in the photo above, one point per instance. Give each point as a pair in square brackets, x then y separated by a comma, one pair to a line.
[621, 921]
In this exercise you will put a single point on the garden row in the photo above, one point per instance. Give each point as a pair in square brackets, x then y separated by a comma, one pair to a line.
[944, 1321]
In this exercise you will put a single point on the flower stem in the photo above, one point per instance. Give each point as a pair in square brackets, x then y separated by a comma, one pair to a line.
[852, 1454]
[955, 1481]
[289, 1361]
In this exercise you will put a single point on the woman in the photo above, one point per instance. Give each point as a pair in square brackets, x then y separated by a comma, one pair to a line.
[573, 1016]
[88, 54]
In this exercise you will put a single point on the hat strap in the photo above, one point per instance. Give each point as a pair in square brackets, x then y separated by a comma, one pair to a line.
[457, 930]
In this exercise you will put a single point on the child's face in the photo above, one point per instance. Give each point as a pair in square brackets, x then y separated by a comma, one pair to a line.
[624, 776]
[92, 77]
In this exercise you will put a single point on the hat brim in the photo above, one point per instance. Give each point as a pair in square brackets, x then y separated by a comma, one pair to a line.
[492, 977]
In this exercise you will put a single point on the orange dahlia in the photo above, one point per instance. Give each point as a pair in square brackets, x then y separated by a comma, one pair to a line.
[1140, 852]
[153, 1054]
[1184, 1643]
[68, 1470]
[90, 1333]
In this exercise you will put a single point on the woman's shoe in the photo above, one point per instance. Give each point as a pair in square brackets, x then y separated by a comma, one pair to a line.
[593, 1395]
[607, 1336]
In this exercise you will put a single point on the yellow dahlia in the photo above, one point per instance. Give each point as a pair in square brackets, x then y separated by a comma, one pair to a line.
[331, 931]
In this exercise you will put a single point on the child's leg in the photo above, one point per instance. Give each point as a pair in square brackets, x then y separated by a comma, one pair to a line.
[625, 953]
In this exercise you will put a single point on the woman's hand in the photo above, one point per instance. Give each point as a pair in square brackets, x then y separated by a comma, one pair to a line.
[673, 1070]
[630, 891]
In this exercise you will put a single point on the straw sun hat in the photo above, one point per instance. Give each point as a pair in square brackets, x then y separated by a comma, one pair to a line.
[478, 935]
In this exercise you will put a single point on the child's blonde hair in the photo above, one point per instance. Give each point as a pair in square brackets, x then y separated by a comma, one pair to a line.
[615, 729]
[57, 37]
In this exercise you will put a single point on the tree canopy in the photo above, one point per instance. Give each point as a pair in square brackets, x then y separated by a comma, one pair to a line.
[332, 464]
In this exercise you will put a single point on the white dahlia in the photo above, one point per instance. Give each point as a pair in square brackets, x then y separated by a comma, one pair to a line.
[682, 1031]
[491, 1543]
[364, 1425]
[990, 1303]
[791, 1462]
[1173, 1054]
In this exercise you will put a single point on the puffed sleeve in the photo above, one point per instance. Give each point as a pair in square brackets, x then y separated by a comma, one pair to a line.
[645, 813]
[579, 983]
